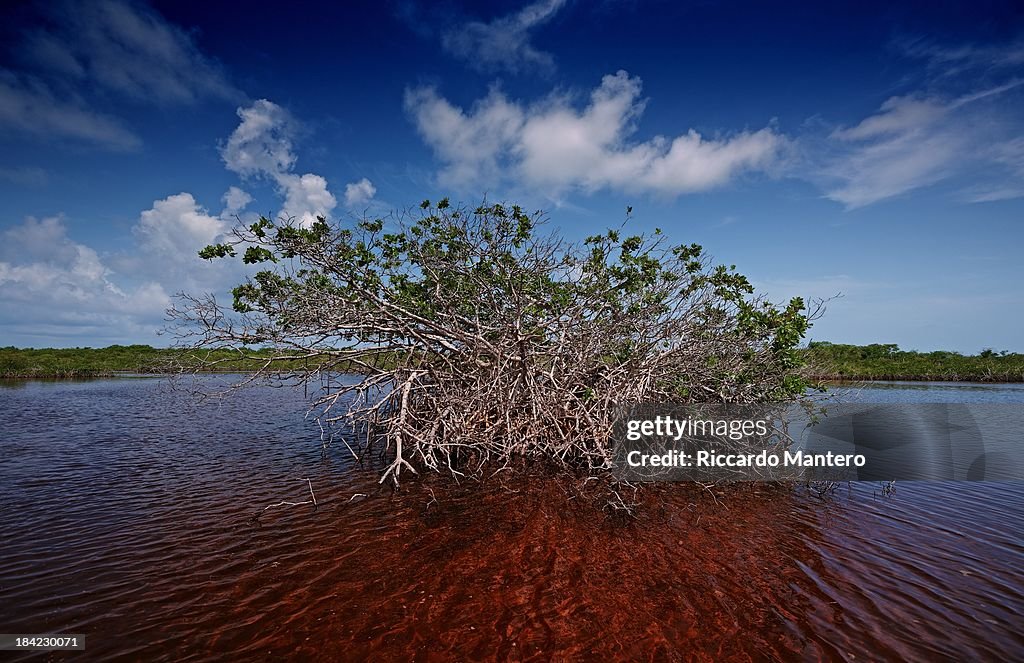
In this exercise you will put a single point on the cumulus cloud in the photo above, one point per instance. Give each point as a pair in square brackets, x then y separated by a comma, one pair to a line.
[261, 147]
[64, 288]
[262, 142]
[36, 240]
[504, 43]
[169, 235]
[177, 227]
[471, 145]
[554, 146]
[359, 193]
[306, 197]
[235, 200]
[53, 286]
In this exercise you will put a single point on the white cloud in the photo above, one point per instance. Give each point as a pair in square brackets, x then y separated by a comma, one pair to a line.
[960, 129]
[916, 141]
[48, 281]
[235, 200]
[359, 193]
[554, 146]
[168, 237]
[37, 240]
[901, 148]
[55, 289]
[306, 197]
[504, 43]
[471, 145]
[989, 194]
[178, 227]
[262, 142]
[898, 115]
[261, 146]
[1010, 155]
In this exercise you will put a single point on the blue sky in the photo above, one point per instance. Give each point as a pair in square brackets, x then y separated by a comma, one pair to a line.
[870, 149]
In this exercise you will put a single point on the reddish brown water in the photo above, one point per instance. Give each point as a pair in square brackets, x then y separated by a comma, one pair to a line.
[128, 518]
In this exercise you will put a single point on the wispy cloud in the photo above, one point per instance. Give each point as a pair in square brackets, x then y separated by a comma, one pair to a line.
[125, 48]
[24, 175]
[946, 60]
[81, 57]
[961, 125]
[504, 44]
[553, 146]
[907, 145]
[29, 107]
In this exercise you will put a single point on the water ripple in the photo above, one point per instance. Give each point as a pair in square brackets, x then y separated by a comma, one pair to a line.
[127, 516]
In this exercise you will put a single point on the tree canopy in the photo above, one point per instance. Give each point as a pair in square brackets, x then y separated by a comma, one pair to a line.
[481, 337]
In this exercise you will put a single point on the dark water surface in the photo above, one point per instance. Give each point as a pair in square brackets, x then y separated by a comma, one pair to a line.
[125, 514]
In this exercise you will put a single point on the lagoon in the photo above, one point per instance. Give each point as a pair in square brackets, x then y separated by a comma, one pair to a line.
[127, 515]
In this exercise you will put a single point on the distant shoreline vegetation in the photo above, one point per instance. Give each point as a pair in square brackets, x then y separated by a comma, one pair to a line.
[114, 360]
[824, 361]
